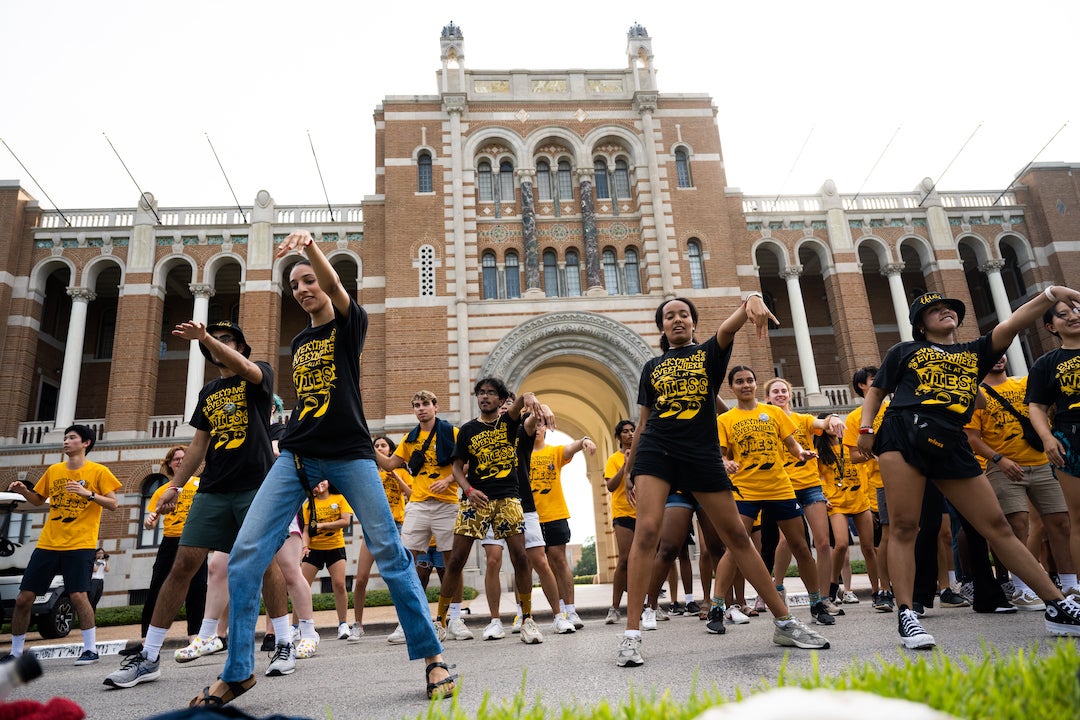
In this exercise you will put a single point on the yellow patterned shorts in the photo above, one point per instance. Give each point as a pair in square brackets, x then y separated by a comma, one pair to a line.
[503, 515]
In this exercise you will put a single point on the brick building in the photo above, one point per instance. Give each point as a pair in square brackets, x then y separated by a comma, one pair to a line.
[525, 224]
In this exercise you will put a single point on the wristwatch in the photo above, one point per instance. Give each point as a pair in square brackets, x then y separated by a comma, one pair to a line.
[997, 457]
[92, 496]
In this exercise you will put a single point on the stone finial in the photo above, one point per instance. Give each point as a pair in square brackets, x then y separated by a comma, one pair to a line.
[830, 197]
[637, 30]
[451, 31]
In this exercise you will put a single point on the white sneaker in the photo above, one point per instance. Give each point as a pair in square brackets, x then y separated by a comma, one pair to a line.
[282, 661]
[612, 616]
[440, 630]
[296, 634]
[530, 633]
[1027, 600]
[850, 598]
[457, 630]
[306, 648]
[648, 619]
[343, 631]
[515, 627]
[575, 620]
[735, 616]
[199, 647]
[561, 625]
[494, 630]
[629, 653]
[397, 637]
[355, 632]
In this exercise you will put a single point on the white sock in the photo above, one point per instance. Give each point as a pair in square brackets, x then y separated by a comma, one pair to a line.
[89, 639]
[308, 631]
[155, 638]
[952, 578]
[689, 598]
[569, 608]
[208, 628]
[632, 633]
[18, 642]
[1067, 580]
[562, 606]
[455, 611]
[518, 609]
[1020, 585]
[282, 629]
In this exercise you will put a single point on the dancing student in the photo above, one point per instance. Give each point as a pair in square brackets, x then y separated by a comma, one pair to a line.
[677, 447]
[623, 516]
[326, 515]
[934, 380]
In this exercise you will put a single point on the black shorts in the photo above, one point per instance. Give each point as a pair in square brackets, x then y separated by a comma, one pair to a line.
[687, 476]
[319, 558]
[894, 435]
[625, 522]
[556, 532]
[75, 565]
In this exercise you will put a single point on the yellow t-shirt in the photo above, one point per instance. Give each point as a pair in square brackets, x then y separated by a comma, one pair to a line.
[1001, 430]
[327, 510]
[843, 485]
[430, 472]
[172, 524]
[545, 477]
[755, 440]
[871, 472]
[393, 494]
[803, 473]
[620, 506]
[73, 520]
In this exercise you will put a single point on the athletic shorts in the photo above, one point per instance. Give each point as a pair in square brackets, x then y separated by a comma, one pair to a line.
[534, 536]
[556, 532]
[432, 558]
[75, 565]
[809, 496]
[215, 519]
[1069, 437]
[426, 518]
[681, 474]
[957, 465]
[677, 499]
[882, 506]
[324, 558]
[1039, 484]
[775, 510]
[503, 515]
[630, 523]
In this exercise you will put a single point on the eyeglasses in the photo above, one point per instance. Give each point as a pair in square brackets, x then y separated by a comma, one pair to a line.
[494, 393]
[225, 339]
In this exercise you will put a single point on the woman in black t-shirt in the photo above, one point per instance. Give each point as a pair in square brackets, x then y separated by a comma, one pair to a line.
[934, 381]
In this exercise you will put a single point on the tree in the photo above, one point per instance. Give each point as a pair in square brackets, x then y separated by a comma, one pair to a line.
[586, 564]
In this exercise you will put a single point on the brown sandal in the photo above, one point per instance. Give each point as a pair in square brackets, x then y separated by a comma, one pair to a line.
[438, 689]
[234, 690]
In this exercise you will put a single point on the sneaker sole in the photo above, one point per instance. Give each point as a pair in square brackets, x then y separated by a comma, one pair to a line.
[470, 636]
[395, 641]
[85, 662]
[355, 640]
[883, 608]
[1033, 608]
[500, 636]
[1062, 629]
[629, 663]
[955, 605]
[531, 641]
[918, 642]
[790, 642]
[280, 673]
[830, 621]
[148, 677]
[714, 628]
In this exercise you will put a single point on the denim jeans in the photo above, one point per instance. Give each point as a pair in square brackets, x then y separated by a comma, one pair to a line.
[266, 527]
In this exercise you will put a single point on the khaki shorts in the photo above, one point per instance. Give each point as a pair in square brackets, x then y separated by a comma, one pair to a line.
[426, 518]
[1039, 484]
[502, 515]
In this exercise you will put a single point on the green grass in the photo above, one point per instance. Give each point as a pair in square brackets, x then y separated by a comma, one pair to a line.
[858, 567]
[1020, 685]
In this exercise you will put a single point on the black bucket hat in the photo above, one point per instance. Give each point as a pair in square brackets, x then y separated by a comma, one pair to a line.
[926, 300]
[237, 334]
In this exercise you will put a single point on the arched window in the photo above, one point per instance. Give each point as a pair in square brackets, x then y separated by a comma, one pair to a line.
[489, 276]
[682, 168]
[149, 538]
[697, 267]
[622, 180]
[632, 272]
[551, 274]
[423, 172]
[611, 271]
[506, 182]
[543, 181]
[483, 182]
[106, 335]
[513, 275]
[600, 178]
[573, 274]
[566, 182]
[427, 271]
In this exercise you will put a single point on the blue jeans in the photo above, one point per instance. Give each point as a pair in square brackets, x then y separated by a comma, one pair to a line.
[266, 527]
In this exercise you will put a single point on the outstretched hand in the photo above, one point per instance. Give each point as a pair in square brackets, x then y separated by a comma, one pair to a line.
[190, 330]
[297, 241]
[759, 315]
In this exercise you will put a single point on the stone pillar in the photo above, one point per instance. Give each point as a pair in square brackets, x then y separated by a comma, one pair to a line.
[992, 268]
[528, 230]
[645, 103]
[594, 276]
[133, 376]
[803, 343]
[73, 353]
[260, 292]
[893, 271]
[196, 362]
[454, 106]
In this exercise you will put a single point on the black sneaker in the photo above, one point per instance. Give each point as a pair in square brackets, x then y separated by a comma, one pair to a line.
[1062, 617]
[692, 608]
[132, 650]
[952, 599]
[918, 609]
[715, 625]
[912, 635]
[676, 608]
[269, 642]
[821, 615]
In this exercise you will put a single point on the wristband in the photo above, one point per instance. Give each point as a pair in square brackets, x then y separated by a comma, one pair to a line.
[1050, 295]
[753, 294]
[92, 496]
[468, 491]
[997, 457]
[866, 430]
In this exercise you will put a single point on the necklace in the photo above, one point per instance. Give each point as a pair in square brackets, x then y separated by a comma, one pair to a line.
[491, 424]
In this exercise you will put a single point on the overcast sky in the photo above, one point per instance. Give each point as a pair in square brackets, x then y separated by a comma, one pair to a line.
[834, 80]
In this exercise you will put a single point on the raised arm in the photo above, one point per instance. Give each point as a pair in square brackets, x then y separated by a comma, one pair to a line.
[1030, 312]
[301, 241]
[229, 357]
[752, 309]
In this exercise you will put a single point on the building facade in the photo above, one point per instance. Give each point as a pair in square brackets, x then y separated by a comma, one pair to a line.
[525, 224]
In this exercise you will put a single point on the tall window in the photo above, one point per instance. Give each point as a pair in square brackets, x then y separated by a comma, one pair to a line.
[106, 334]
[513, 275]
[601, 179]
[697, 267]
[506, 182]
[611, 271]
[543, 181]
[551, 274]
[149, 538]
[423, 172]
[632, 272]
[427, 271]
[483, 182]
[573, 274]
[682, 168]
[490, 276]
[566, 182]
[622, 180]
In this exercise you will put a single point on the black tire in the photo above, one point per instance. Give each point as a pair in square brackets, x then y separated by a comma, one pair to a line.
[59, 621]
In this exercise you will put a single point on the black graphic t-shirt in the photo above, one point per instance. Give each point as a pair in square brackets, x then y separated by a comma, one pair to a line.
[1054, 380]
[490, 452]
[680, 389]
[525, 444]
[328, 421]
[236, 413]
[940, 379]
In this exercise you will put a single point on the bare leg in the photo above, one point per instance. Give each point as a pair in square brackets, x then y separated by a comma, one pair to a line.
[493, 556]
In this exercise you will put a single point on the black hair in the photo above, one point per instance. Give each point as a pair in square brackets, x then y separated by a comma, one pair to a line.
[739, 368]
[389, 442]
[862, 375]
[664, 344]
[825, 447]
[331, 489]
[85, 432]
[621, 424]
[1049, 315]
[496, 383]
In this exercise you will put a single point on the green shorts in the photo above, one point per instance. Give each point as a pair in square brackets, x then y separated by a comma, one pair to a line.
[215, 519]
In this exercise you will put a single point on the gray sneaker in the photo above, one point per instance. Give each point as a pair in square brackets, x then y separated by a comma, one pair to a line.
[397, 637]
[792, 633]
[530, 632]
[282, 661]
[629, 653]
[134, 670]
[88, 657]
